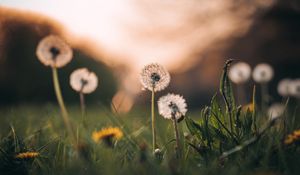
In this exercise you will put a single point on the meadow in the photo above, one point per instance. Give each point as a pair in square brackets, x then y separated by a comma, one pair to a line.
[220, 138]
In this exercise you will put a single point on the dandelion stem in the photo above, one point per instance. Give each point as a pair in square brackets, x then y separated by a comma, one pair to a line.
[62, 106]
[153, 120]
[254, 109]
[242, 98]
[177, 147]
[264, 96]
[82, 105]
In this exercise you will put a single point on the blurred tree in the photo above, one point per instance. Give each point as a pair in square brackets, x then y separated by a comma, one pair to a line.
[23, 79]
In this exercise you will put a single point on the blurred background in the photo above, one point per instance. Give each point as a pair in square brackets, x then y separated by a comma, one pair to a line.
[116, 38]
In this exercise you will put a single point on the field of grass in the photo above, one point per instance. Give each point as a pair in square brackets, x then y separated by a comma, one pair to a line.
[221, 138]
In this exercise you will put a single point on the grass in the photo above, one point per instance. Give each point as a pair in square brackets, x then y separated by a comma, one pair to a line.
[223, 138]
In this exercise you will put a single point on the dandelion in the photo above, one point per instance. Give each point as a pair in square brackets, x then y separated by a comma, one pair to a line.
[107, 135]
[248, 107]
[154, 77]
[84, 82]
[158, 153]
[54, 52]
[262, 74]
[276, 110]
[295, 88]
[27, 155]
[284, 87]
[173, 107]
[291, 138]
[240, 73]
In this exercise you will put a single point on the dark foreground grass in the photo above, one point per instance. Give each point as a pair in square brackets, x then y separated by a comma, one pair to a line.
[221, 138]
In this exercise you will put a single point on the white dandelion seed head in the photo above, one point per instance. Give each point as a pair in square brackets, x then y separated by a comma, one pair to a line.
[240, 73]
[157, 151]
[154, 76]
[53, 51]
[276, 110]
[83, 80]
[172, 105]
[284, 87]
[295, 88]
[263, 73]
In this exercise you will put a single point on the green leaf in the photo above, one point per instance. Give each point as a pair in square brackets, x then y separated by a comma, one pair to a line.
[194, 128]
[226, 88]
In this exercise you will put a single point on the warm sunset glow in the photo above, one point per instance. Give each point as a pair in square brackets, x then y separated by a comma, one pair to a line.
[139, 32]
[176, 34]
[121, 102]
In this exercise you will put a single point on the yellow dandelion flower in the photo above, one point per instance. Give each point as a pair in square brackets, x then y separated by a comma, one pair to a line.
[247, 107]
[297, 133]
[288, 140]
[107, 135]
[27, 155]
[291, 138]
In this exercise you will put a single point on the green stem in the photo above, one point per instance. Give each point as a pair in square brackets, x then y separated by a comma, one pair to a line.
[177, 148]
[264, 96]
[230, 120]
[153, 120]
[82, 105]
[62, 106]
[254, 114]
[233, 136]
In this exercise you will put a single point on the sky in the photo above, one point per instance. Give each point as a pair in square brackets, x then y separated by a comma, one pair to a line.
[137, 32]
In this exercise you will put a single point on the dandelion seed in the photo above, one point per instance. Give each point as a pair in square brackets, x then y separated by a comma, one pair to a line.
[53, 51]
[240, 72]
[83, 80]
[27, 155]
[172, 106]
[295, 88]
[292, 138]
[157, 151]
[284, 87]
[107, 135]
[154, 76]
[276, 110]
[263, 73]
